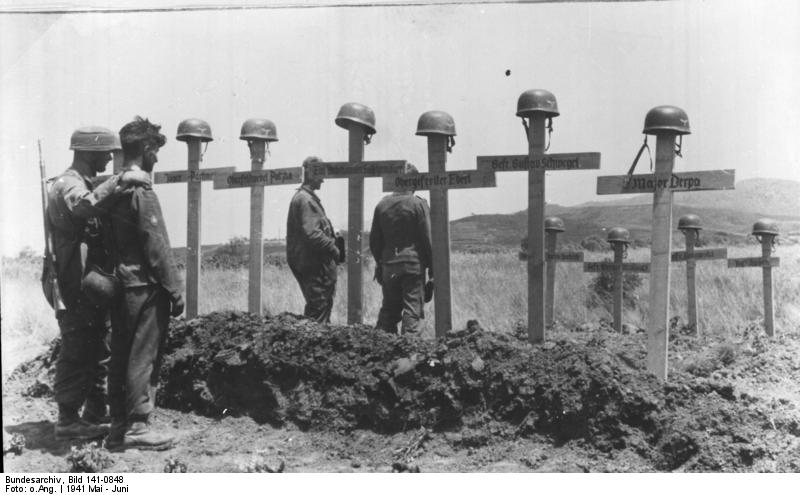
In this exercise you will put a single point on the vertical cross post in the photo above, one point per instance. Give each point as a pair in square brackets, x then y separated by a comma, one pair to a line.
[666, 123]
[538, 106]
[765, 230]
[193, 132]
[619, 252]
[440, 129]
[554, 226]
[355, 228]
[258, 133]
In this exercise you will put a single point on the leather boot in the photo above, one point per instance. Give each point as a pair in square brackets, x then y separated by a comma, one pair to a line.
[140, 436]
[71, 427]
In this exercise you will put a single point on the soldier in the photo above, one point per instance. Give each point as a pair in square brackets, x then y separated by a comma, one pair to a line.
[400, 241]
[311, 246]
[73, 207]
[151, 292]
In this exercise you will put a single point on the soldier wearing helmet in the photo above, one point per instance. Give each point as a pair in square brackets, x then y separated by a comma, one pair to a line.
[151, 292]
[75, 214]
[400, 241]
[311, 246]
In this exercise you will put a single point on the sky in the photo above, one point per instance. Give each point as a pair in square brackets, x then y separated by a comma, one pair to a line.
[733, 65]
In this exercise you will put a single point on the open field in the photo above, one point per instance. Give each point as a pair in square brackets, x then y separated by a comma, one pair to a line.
[488, 287]
[581, 402]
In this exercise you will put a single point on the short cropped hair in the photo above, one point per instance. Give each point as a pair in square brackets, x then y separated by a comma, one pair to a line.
[311, 160]
[135, 134]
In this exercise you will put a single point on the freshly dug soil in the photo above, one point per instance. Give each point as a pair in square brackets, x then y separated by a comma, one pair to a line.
[584, 393]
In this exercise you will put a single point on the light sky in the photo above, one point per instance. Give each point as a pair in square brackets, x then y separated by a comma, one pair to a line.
[734, 66]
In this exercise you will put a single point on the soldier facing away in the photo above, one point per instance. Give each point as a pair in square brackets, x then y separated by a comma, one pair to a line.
[151, 292]
[400, 241]
[311, 250]
[73, 210]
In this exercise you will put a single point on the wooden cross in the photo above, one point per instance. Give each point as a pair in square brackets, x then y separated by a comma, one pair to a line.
[666, 122]
[617, 267]
[766, 261]
[691, 256]
[359, 121]
[538, 106]
[257, 132]
[439, 181]
[553, 226]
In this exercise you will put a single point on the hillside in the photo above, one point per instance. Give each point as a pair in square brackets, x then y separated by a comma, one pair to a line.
[726, 215]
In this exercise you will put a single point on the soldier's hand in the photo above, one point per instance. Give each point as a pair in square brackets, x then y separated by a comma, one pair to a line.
[176, 308]
[130, 178]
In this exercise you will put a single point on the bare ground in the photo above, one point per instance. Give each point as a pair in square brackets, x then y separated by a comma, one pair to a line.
[280, 393]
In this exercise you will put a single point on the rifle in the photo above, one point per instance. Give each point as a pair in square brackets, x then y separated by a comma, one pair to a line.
[49, 280]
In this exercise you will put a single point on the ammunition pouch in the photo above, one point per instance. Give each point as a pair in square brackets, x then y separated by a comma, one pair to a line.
[99, 286]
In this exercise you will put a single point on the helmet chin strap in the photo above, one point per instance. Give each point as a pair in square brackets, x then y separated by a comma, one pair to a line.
[679, 145]
[367, 138]
[451, 141]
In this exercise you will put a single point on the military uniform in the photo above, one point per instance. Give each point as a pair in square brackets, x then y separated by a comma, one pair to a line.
[311, 253]
[139, 240]
[400, 241]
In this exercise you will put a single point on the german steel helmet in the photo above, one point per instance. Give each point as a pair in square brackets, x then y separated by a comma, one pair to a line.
[618, 234]
[436, 122]
[194, 128]
[537, 100]
[94, 138]
[356, 113]
[258, 129]
[554, 224]
[666, 119]
[765, 226]
[690, 221]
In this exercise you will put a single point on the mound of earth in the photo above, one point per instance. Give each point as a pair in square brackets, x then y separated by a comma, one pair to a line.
[474, 387]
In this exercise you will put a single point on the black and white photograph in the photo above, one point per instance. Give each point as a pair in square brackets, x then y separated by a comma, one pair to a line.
[398, 236]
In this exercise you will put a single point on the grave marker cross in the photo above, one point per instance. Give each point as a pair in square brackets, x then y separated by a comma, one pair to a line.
[439, 128]
[665, 122]
[619, 239]
[554, 226]
[690, 226]
[537, 105]
[359, 120]
[257, 133]
[765, 231]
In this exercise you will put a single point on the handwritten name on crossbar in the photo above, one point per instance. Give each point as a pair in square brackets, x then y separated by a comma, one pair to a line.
[754, 262]
[710, 180]
[267, 177]
[610, 266]
[701, 254]
[565, 256]
[556, 161]
[178, 176]
[345, 170]
[456, 179]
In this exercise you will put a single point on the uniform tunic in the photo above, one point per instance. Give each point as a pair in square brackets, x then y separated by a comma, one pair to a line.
[141, 319]
[73, 208]
[400, 241]
[311, 253]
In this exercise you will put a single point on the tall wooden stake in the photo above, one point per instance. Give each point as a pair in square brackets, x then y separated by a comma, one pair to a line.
[690, 236]
[193, 230]
[769, 312]
[256, 268]
[440, 224]
[355, 228]
[536, 317]
[551, 239]
[619, 254]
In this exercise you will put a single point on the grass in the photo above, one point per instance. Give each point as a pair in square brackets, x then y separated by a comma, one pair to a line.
[489, 287]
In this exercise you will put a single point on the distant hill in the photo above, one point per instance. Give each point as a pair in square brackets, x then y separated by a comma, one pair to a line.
[727, 216]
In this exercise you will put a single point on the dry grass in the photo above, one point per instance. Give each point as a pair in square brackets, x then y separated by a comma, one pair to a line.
[488, 287]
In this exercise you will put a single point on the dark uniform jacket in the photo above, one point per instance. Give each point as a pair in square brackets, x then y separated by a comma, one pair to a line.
[401, 232]
[72, 209]
[140, 243]
[310, 239]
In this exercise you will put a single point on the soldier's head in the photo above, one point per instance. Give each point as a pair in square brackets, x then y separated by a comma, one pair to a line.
[93, 146]
[141, 139]
[309, 179]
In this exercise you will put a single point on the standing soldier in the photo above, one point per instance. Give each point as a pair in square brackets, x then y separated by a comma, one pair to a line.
[73, 207]
[311, 246]
[151, 292]
[400, 241]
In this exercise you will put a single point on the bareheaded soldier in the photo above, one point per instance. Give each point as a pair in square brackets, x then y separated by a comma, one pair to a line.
[73, 214]
[151, 292]
[311, 249]
[400, 241]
